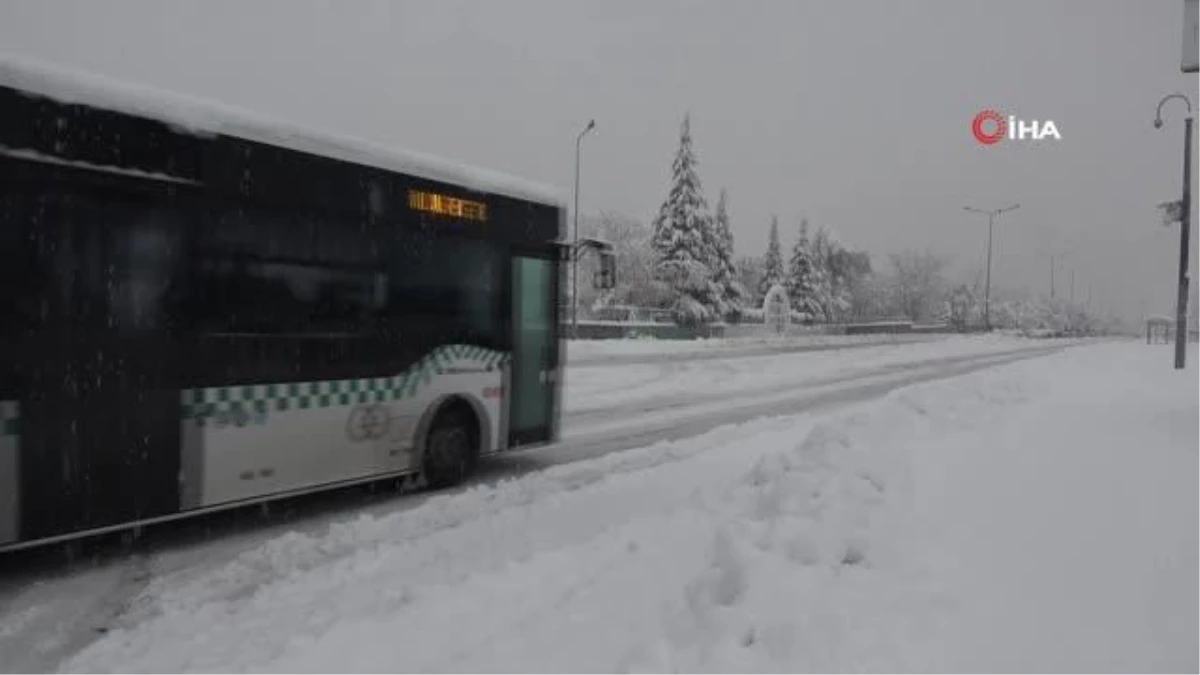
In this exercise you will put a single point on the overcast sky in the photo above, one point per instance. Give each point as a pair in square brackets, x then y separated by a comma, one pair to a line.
[856, 114]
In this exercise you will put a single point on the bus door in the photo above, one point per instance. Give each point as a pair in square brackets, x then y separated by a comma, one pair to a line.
[533, 379]
[100, 427]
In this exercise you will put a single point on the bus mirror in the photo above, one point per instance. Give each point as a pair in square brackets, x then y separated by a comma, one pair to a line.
[606, 277]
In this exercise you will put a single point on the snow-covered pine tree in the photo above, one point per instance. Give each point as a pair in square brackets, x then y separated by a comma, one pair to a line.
[773, 272]
[682, 240]
[803, 281]
[724, 272]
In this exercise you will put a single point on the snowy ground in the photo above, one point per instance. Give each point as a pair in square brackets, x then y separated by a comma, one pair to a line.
[1039, 515]
[742, 368]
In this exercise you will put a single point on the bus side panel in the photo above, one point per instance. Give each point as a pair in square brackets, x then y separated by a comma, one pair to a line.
[248, 441]
[88, 352]
[90, 360]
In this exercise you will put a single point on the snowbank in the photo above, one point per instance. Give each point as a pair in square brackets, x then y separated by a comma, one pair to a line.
[1035, 518]
[808, 569]
[479, 556]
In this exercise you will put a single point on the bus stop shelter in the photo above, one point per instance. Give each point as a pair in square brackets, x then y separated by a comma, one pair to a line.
[1158, 329]
[1161, 329]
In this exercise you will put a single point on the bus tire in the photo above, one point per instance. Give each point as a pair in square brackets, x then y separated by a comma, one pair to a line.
[451, 446]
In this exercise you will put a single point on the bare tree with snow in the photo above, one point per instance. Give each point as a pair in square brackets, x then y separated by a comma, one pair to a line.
[750, 275]
[630, 238]
[917, 284]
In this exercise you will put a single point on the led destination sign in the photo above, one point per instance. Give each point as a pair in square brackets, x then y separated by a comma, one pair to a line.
[444, 205]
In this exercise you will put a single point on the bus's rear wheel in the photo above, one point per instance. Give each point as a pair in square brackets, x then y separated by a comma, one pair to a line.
[451, 448]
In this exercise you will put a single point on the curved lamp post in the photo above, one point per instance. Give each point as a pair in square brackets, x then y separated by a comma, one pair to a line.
[1185, 226]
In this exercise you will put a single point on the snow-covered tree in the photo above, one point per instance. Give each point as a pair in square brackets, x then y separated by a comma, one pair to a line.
[962, 302]
[874, 297]
[750, 274]
[805, 278]
[683, 241]
[825, 255]
[724, 272]
[634, 260]
[917, 284]
[859, 282]
[772, 264]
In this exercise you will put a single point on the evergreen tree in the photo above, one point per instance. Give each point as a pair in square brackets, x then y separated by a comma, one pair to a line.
[724, 272]
[803, 280]
[773, 272]
[683, 241]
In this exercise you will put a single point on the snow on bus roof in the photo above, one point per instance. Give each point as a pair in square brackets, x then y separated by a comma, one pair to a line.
[204, 117]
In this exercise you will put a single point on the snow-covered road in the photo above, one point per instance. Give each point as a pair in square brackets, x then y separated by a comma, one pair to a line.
[50, 620]
[590, 353]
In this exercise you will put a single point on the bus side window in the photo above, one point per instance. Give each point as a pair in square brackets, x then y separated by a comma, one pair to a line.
[448, 285]
[264, 272]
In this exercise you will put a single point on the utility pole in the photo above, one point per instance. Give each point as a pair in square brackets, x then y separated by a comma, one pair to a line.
[1185, 226]
[1185, 229]
[1056, 258]
[987, 284]
[1051, 276]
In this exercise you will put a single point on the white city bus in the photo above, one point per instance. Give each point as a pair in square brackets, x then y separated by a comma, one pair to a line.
[201, 309]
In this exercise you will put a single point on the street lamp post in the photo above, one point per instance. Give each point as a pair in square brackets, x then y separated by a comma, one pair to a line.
[574, 249]
[1185, 226]
[987, 284]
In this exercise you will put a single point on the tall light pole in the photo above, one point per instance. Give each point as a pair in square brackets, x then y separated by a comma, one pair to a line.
[1185, 227]
[575, 246]
[987, 284]
[1051, 277]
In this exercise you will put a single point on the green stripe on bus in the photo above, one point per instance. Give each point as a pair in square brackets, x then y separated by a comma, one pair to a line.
[284, 396]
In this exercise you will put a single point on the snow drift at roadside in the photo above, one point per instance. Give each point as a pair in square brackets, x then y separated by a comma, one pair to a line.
[808, 567]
